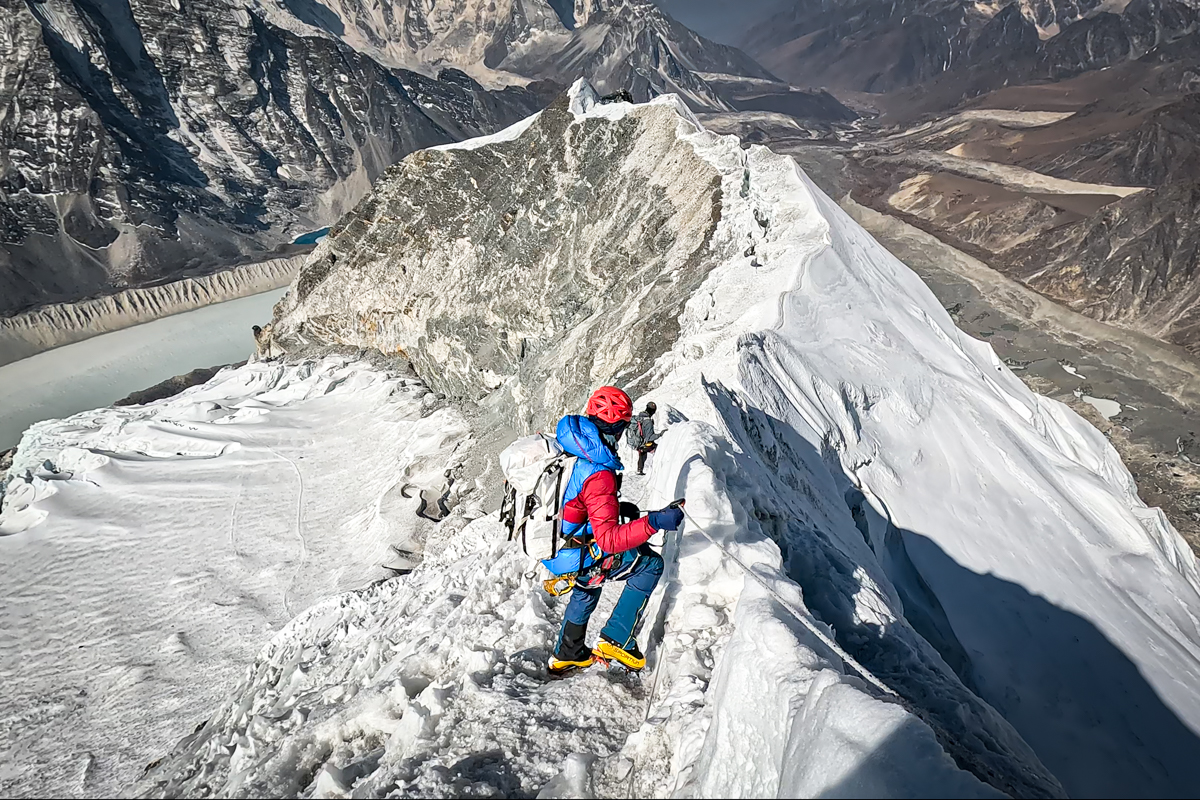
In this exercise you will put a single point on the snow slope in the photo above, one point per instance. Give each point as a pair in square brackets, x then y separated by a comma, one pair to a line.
[109, 367]
[150, 550]
[434, 685]
[853, 465]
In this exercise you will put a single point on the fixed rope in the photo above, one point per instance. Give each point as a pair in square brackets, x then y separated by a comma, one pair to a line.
[804, 620]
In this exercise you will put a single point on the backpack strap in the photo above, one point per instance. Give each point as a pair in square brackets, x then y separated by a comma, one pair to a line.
[508, 509]
[559, 508]
[526, 514]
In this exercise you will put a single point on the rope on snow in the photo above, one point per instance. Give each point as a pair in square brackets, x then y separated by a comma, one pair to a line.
[824, 638]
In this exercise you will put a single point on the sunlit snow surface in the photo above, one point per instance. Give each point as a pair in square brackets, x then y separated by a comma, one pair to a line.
[960, 536]
[106, 368]
[151, 550]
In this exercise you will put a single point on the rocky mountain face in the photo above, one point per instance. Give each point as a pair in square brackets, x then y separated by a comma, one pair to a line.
[877, 46]
[141, 141]
[1136, 261]
[634, 45]
[608, 215]
[414, 33]
[1094, 205]
[617, 44]
[144, 140]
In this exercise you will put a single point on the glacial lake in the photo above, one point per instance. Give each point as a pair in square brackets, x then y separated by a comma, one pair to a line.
[99, 371]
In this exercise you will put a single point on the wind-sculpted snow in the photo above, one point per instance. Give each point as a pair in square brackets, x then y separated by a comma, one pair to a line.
[147, 551]
[432, 686]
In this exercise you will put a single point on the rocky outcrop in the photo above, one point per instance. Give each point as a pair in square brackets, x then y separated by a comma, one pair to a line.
[172, 386]
[144, 140]
[573, 222]
[1136, 263]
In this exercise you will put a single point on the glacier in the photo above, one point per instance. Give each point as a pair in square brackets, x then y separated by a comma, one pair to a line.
[853, 463]
[111, 367]
[31, 332]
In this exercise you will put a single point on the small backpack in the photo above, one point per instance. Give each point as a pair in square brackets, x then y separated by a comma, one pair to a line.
[536, 471]
[634, 436]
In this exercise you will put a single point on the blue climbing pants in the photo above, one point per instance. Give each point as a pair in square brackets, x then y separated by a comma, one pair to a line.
[640, 569]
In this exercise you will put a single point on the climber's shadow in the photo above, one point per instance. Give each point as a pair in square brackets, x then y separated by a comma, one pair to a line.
[1082, 705]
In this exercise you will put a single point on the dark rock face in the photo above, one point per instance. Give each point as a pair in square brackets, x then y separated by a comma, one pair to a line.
[1106, 39]
[172, 386]
[865, 45]
[1007, 37]
[1136, 262]
[574, 223]
[145, 140]
[141, 141]
[1163, 147]
[862, 45]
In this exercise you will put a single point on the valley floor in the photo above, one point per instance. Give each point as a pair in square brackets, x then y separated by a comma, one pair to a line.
[103, 369]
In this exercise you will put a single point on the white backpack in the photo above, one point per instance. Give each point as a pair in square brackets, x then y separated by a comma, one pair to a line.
[536, 471]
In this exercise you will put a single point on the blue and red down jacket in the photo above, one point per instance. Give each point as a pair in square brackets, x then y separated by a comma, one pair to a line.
[591, 496]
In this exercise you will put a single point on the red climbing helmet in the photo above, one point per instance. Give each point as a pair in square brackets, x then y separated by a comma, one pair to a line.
[610, 404]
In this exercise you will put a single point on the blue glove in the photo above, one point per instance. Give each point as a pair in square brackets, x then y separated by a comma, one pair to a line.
[667, 519]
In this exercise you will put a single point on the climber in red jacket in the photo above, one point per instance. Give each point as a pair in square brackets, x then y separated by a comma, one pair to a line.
[591, 516]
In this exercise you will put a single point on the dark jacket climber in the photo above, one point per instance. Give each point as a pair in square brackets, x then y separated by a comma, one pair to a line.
[641, 436]
[591, 516]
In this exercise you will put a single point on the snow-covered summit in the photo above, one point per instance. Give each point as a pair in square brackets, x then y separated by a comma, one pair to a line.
[854, 465]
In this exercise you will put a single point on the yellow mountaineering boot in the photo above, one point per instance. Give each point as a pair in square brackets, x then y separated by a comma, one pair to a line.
[629, 656]
[571, 654]
[562, 666]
